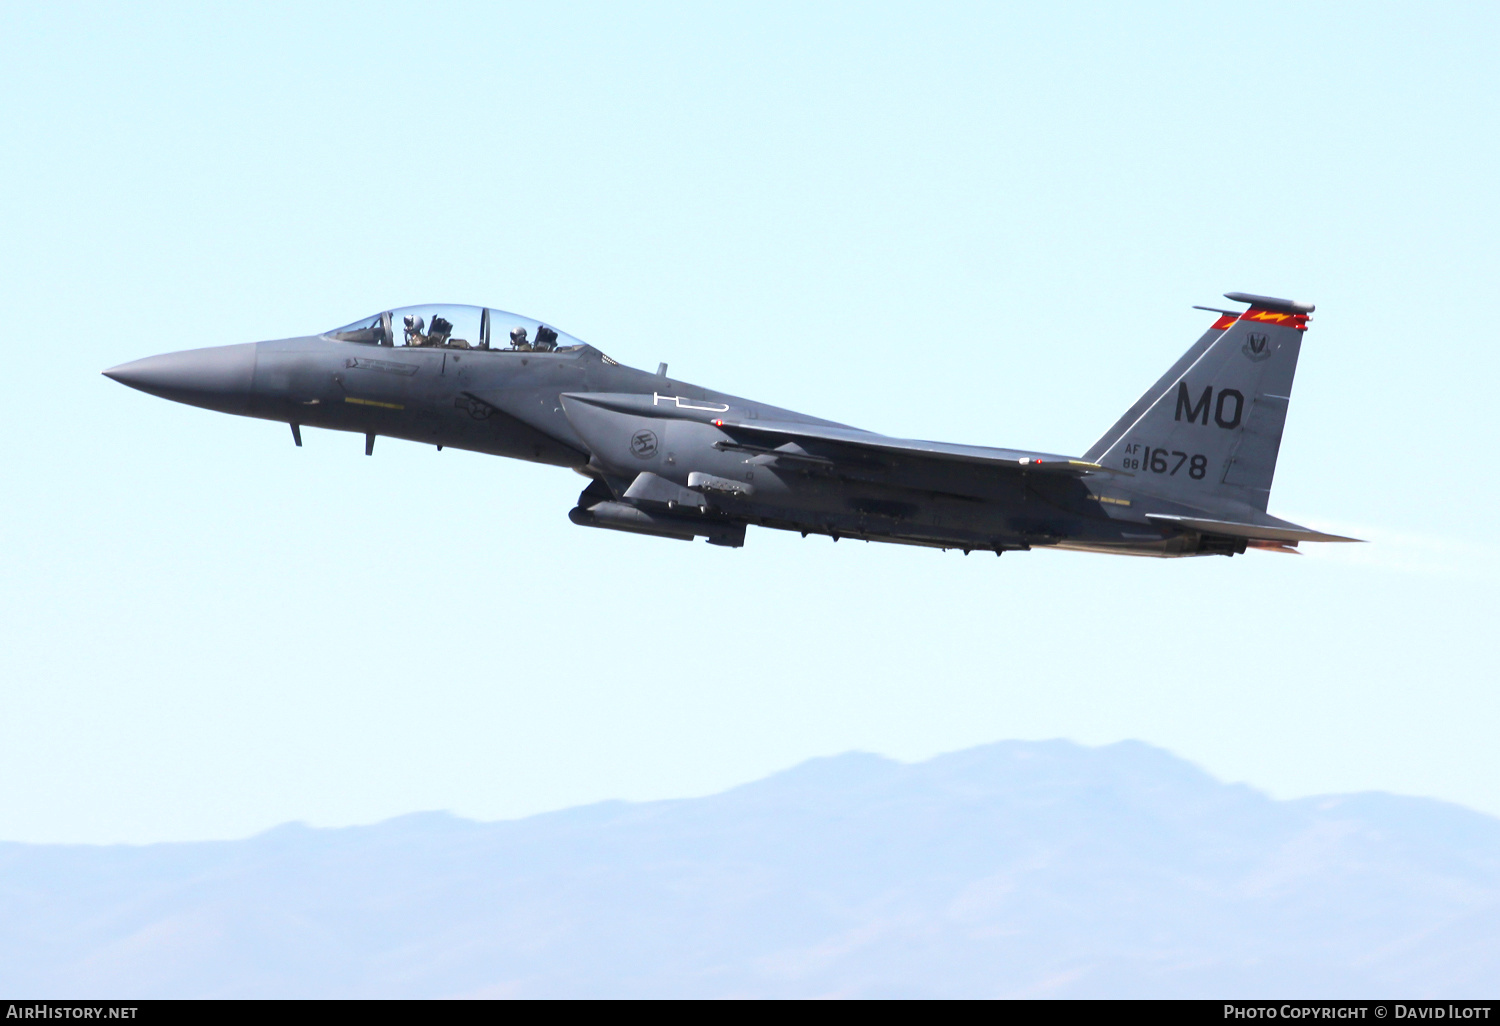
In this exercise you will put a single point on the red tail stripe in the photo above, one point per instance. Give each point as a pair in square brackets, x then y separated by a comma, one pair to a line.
[1288, 320]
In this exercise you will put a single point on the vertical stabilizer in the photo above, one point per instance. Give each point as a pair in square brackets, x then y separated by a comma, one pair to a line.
[1209, 430]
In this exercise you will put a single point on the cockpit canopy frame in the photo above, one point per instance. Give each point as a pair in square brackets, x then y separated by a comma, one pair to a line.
[454, 326]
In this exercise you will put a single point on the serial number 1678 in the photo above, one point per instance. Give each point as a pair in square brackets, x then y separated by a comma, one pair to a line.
[1165, 461]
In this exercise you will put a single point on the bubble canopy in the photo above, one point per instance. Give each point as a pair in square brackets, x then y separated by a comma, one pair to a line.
[450, 326]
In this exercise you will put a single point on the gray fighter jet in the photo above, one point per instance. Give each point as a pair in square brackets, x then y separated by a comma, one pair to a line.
[1186, 471]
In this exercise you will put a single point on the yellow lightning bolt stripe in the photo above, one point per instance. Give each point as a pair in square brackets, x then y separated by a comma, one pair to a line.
[1266, 315]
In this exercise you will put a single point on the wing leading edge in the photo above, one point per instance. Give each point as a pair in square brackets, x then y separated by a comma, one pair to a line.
[830, 440]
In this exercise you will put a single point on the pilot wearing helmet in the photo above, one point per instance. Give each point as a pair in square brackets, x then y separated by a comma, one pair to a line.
[518, 338]
[414, 327]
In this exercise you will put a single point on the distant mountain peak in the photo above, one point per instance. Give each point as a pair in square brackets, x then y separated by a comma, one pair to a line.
[1016, 868]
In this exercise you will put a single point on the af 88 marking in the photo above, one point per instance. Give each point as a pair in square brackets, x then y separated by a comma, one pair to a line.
[1164, 461]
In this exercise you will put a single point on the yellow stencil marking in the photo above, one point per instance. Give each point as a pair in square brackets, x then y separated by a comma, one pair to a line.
[372, 402]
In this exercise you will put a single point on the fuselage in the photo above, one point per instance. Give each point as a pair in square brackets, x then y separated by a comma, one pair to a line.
[657, 460]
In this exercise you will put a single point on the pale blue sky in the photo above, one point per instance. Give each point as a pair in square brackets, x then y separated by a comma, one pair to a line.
[973, 223]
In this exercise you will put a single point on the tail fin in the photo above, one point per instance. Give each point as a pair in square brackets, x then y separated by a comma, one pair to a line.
[1208, 431]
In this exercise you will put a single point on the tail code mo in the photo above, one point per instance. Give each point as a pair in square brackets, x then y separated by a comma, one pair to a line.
[1228, 407]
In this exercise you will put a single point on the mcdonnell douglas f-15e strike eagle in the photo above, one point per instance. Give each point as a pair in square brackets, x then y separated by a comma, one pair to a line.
[1186, 471]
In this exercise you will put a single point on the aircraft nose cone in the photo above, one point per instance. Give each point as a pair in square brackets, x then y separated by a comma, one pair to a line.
[218, 378]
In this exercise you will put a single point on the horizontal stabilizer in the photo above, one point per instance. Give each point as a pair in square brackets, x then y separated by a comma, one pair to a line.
[1271, 530]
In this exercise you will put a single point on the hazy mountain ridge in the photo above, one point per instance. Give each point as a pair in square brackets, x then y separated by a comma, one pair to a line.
[1017, 868]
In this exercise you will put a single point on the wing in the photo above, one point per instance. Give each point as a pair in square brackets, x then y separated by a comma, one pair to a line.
[832, 444]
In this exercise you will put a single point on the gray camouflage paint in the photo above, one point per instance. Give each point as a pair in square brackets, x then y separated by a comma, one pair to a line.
[1186, 471]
